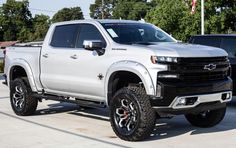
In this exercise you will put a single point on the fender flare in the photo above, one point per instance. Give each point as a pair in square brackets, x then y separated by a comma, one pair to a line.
[134, 67]
[22, 63]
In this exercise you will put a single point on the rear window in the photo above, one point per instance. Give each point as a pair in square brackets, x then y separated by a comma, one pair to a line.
[65, 36]
[208, 41]
[229, 44]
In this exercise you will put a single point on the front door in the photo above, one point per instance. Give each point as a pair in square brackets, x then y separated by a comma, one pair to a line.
[68, 68]
[89, 68]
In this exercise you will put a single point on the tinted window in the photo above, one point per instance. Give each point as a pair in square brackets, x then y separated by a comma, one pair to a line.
[229, 44]
[65, 36]
[133, 33]
[88, 32]
[208, 41]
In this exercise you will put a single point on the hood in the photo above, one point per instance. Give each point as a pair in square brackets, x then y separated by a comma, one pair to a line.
[185, 50]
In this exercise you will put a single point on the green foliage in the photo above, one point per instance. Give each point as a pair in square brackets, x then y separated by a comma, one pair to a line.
[132, 10]
[16, 22]
[96, 9]
[15, 17]
[41, 24]
[67, 14]
[174, 17]
[116, 9]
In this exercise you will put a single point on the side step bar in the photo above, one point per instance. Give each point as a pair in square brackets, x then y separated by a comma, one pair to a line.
[81, 102]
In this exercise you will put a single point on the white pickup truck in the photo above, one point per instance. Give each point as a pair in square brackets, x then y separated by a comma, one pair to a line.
[140, 72]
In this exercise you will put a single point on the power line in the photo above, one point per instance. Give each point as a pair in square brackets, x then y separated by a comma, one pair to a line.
[43, 10]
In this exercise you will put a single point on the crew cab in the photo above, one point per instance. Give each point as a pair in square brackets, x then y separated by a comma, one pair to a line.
[136, 69]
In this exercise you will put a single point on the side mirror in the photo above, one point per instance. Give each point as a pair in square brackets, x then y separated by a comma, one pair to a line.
[92, 44]
[96, 45]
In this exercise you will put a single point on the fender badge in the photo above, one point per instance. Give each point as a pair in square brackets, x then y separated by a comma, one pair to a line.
[100, 76]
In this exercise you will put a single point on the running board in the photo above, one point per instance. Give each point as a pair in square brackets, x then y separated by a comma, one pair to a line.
[80, 102]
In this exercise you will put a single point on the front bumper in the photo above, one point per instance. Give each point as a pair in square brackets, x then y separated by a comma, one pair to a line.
[201, 93]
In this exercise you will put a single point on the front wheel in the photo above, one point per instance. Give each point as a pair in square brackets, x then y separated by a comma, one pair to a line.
[207, 119]
[132, 117]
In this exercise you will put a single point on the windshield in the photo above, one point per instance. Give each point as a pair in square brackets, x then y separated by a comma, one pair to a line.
[136, 33]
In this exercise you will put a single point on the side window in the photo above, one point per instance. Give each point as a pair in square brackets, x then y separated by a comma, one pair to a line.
[208, 41]
[65, 36]
[229, 44]
[89, 32]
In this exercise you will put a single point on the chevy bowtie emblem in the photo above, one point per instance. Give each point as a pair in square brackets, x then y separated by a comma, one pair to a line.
[210, 67]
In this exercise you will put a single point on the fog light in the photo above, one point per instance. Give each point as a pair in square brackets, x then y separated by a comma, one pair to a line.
[191, 100]
[226, 96]
[181, 102]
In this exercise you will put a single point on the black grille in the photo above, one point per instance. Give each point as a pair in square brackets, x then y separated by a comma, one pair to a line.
[192, 69]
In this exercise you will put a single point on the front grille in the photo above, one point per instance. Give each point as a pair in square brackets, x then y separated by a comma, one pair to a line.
[192, 69]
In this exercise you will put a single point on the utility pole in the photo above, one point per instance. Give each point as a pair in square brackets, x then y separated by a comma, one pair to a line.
[102, 9]
[202, 17]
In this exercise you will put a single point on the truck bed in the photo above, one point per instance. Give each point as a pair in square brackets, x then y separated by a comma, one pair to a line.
[29, 54]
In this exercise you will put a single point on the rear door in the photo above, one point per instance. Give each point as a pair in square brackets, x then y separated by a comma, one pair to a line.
[55, 65]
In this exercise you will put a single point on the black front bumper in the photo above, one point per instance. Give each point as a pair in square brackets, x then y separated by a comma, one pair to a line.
[168, 91]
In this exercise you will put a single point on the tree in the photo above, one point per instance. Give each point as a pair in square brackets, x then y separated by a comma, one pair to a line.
[1, 29]
[41, 24]
[97, 8]
[174, 17]
[15, 19]
[67, 14]
[131, 9]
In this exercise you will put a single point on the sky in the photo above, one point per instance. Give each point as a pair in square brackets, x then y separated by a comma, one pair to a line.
[50, 7]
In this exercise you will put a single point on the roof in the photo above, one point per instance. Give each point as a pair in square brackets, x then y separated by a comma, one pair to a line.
[117, 21]
[97, 21]
[7, 43]
[216, 35]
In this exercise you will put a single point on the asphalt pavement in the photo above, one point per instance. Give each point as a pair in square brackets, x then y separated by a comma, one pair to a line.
[57, 124]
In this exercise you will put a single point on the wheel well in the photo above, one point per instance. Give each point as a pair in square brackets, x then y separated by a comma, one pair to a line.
[121, 79]
[17, 72]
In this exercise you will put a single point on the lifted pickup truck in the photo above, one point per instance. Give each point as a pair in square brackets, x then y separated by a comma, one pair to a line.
[140, 72]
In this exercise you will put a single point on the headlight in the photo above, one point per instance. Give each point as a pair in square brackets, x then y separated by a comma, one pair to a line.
[157, 59]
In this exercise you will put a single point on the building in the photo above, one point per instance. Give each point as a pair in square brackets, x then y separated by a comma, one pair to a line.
[3, 45]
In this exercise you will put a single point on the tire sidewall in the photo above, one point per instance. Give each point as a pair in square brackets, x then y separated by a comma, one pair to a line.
[26, 94]
[146, 115]
[115, 101]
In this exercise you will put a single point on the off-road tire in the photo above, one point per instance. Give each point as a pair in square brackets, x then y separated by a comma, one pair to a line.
[210, 119]
[29, 104]
[146, 115]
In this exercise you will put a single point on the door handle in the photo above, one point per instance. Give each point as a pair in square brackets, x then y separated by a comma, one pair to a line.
[74, 56]
[45, 55]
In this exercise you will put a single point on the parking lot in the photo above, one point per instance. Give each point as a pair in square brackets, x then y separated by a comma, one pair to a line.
[58, 125]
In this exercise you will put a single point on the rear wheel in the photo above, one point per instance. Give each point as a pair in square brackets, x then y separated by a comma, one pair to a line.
[22, 102]
[208, 118]
[132, 117]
